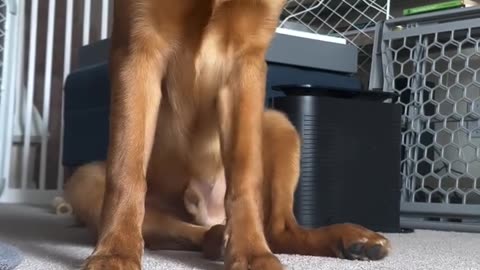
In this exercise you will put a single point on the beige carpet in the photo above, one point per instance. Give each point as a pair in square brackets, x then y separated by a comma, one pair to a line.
[51, 242]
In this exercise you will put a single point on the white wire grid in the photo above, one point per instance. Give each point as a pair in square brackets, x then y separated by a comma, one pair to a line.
[353, 20]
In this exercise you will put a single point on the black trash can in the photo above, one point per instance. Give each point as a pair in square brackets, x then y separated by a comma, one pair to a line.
[350, 161]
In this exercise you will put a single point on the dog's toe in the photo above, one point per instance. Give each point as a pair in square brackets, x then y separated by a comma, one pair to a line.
[377, 252]
[364, 251]
[111, 262]
[260, 262]
[359, 243]
[214, 243]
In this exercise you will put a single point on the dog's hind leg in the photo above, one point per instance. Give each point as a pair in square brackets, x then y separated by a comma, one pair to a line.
[85, 190]
[282, 164]
[166, 232]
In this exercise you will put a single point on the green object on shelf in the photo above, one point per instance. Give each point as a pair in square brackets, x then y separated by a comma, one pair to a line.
[433, 7]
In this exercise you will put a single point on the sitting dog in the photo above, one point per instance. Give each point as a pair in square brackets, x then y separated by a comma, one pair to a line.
[194, 160]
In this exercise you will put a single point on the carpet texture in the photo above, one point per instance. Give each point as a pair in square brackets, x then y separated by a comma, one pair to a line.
[51, 242]
[10, 257]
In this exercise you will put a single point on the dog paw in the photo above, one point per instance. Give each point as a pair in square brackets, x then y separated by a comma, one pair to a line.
[214, 243]
[256, 262]
[359, 243]
[111, 262]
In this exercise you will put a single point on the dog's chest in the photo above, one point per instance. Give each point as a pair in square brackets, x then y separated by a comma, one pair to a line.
[213, 63]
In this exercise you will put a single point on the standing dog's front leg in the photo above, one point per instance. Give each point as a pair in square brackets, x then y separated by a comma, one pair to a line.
[241, 109]
[135, 97]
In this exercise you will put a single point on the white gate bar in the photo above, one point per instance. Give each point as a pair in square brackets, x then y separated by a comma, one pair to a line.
[16, 82]
[5, 91]
[87, 9]
[30, 88]
[46, 93]
[389, 16]
[66, 70]
[105, 13]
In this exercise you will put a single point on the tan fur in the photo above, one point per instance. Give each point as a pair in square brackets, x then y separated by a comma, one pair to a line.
[205, 201]
[188, 86]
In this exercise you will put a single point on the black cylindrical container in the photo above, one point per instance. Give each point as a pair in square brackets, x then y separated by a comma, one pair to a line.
[350, 161]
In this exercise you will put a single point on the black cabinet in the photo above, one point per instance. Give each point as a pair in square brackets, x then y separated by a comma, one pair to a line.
[350, 161]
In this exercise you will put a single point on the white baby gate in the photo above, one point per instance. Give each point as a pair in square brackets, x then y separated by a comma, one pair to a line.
[38, 46]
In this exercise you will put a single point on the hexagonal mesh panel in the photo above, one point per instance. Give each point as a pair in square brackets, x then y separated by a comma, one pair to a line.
[353, 20]
[437, 75]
